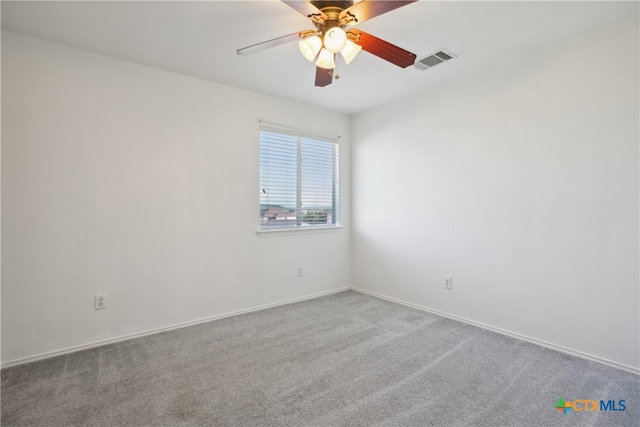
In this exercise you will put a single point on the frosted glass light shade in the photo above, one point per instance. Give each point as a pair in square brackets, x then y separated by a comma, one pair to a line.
[325, 60]
[350, 51]
[310, 46]
[335, 39]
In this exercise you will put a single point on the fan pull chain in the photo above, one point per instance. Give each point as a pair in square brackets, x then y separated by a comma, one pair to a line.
[335, 66]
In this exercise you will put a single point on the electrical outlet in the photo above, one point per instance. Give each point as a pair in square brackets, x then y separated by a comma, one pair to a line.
[300, 271]
[448, 282]
[101, 301]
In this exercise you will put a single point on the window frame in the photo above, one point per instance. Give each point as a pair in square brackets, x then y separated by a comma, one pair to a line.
[298, 227]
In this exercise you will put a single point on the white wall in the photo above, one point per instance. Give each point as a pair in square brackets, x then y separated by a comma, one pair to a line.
[143, 184]
[520, 183]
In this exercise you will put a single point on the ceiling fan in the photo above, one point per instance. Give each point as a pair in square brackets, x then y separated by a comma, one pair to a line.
[334, 34]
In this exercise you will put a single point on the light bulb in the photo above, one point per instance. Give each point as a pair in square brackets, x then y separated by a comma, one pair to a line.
[335, 39]
[325, 60]
[350, 51]
[310, 46]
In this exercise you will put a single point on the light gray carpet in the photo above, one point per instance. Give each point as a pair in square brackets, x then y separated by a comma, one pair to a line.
[346, 359]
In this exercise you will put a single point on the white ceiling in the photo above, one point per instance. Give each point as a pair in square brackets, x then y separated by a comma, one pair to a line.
[200, 38]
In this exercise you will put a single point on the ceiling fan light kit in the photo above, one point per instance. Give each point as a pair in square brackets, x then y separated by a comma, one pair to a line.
[326, 60]
[350, 51]
[331, 17]
[335, 39]
[310, 46]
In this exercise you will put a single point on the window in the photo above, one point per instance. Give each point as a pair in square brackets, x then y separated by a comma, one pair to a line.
[298, 180]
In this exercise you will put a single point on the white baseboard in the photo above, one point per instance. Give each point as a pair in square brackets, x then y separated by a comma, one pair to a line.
[541, 343]
[100, 343]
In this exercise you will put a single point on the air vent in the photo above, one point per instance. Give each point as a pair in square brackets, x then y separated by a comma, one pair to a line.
[434, 59]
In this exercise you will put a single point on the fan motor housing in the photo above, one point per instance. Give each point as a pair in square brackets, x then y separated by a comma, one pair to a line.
[332, 10]
[339, 4]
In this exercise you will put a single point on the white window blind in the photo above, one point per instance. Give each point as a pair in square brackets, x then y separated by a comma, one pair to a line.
[298, 179]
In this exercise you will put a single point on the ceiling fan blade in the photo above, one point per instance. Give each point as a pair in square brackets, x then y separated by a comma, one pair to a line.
[367, 9]
[385, 50]
[305, 8]
[324, 77]
[269, 43]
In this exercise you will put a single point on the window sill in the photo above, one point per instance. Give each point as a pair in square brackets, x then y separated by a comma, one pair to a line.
[296, 231]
